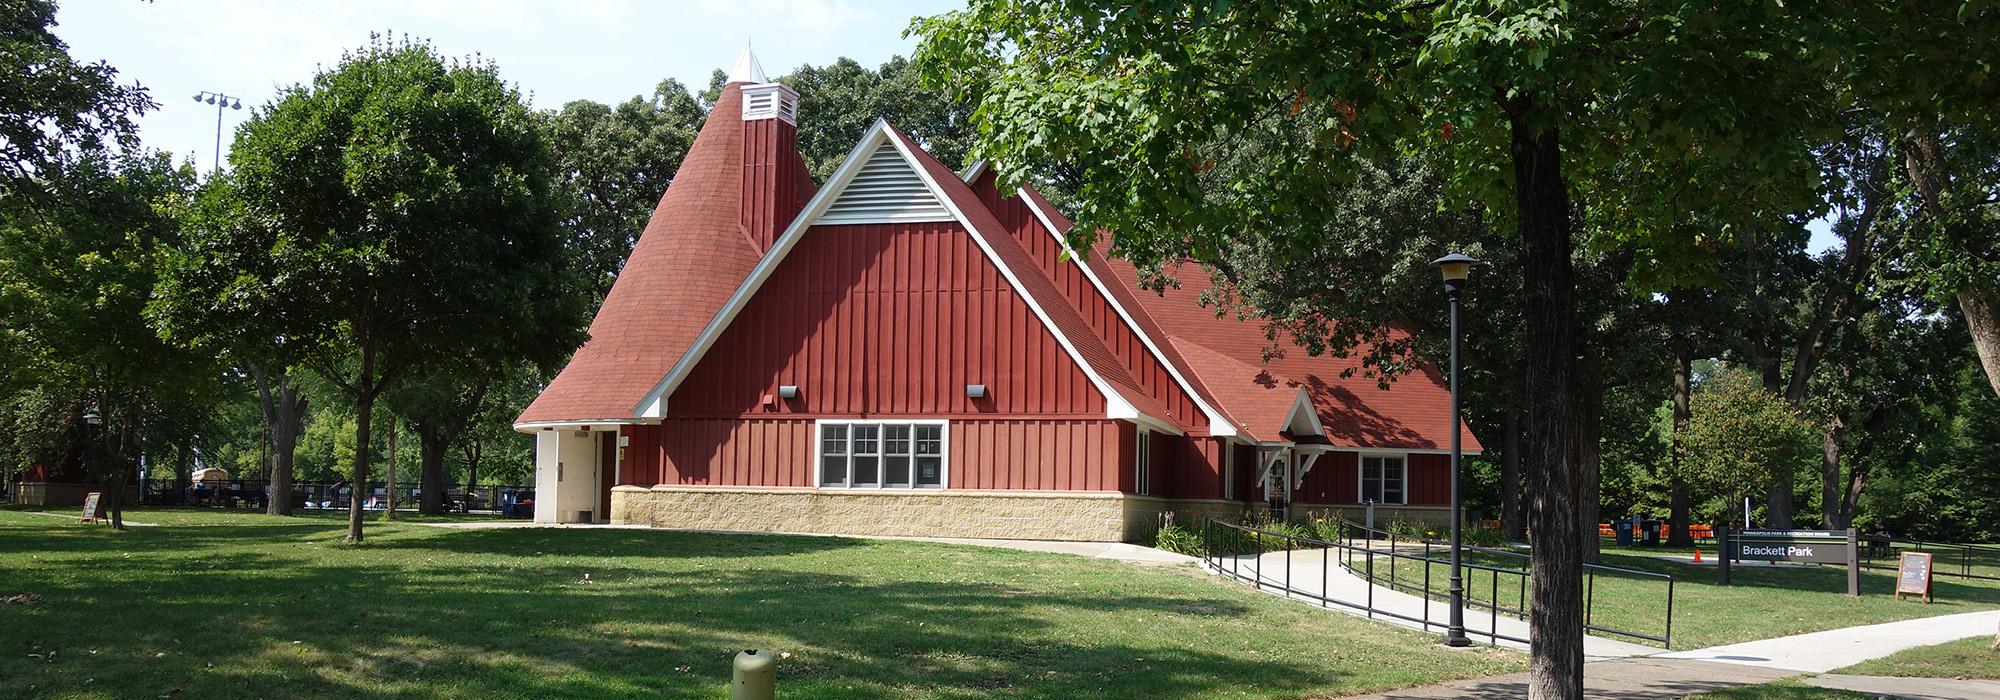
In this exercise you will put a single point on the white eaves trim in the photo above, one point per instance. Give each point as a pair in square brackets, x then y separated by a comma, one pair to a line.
[1304, 418]
[654, 403]
[1218, 426]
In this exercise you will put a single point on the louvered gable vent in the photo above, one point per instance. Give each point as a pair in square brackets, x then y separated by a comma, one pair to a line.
[885, 190]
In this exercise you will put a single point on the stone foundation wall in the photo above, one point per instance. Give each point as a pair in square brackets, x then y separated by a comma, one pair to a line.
[1021, 515]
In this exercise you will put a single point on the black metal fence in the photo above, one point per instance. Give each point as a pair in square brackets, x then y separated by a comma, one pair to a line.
[255, 493]
[1404, 565]
[1434, 549]
[1959, 560]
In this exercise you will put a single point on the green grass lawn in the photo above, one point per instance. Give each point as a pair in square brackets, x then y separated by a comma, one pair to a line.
[226, 604]
[1761, 603]
[1972, 657]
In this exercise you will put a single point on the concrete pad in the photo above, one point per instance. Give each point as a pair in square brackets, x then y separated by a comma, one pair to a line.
[1819, 652]
[1912, 688]
[1620, 679]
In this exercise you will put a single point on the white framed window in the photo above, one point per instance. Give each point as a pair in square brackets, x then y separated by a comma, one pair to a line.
[876, 454]
[1384, 479]
[1142, 462]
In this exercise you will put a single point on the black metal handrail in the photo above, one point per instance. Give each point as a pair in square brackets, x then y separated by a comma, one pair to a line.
[1223, 543]
[1349, 529]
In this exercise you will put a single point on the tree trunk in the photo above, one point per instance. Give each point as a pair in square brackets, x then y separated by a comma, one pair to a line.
[1829, 474]
[1541, 200]
[431, 446]
[284, 413]
[364, 409]
[1679, 519]
[1512, 524]
[1778, 510]
[389, 503]
[1982, 316]
[1589, 431]
[471, 447]
[115, 501]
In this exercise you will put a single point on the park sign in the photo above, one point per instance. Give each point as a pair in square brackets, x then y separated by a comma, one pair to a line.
[1814, 546]
[1803, 546]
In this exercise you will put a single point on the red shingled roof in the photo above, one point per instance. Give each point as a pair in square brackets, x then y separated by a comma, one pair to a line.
[693, 254]
[1225, 358]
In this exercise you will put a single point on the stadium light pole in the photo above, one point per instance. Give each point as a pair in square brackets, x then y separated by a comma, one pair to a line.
[1455, 268]
[220, 101]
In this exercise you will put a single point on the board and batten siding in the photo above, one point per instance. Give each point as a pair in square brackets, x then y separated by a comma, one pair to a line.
[1118, 336]
[886, 319]
[982, 453]
[1336, 479]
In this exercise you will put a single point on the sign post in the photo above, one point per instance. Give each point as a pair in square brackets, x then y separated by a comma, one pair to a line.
[1913, 576]
[1722, 541]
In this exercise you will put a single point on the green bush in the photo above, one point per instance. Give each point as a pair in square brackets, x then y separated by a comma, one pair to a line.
[1483, 537]
[1176, 538]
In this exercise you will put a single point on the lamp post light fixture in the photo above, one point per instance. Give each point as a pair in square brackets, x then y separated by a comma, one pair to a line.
[1455, 268]
[220, 101]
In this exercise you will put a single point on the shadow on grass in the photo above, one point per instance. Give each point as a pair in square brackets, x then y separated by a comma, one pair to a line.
[265, 611]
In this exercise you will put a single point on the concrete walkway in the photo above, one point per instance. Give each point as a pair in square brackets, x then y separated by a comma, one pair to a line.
[1118, 551]
[1819, 652]
[1318, 573]
[1911, 688]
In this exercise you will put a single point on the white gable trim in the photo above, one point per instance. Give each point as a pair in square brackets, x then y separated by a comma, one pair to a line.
[654, 403]
[1218, 426]
[1303, 419]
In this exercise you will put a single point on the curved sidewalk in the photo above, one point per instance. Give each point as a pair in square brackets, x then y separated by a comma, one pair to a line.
[1315, 573]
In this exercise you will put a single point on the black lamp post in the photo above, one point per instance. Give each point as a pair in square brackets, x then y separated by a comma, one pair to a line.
[1455, 268]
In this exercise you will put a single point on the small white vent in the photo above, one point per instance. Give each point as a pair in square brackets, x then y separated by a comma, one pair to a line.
[885, 190]
[770, 101]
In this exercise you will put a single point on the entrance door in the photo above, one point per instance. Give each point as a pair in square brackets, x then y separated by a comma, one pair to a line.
[607, 473]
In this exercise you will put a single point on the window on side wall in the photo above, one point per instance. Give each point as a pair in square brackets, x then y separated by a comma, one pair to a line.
[881, 454]
[1143, 462]
[1383, 479]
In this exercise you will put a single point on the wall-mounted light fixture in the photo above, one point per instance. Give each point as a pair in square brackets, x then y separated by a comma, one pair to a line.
[975, 391]
[788, 391]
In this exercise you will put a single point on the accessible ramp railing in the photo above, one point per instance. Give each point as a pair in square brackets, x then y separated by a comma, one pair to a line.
[1419, 568]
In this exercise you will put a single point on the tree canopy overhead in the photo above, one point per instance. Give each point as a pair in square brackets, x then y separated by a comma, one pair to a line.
[396, 216]
[1636, 119]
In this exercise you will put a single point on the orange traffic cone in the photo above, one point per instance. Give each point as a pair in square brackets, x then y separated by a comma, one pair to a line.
[1697, 555]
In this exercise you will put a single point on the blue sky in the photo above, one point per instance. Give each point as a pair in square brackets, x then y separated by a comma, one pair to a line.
[604, 50]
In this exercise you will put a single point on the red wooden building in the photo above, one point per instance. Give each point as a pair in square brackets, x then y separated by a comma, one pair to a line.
[904, 350]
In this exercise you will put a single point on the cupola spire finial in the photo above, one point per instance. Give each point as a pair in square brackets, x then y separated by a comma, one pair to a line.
[747, 69]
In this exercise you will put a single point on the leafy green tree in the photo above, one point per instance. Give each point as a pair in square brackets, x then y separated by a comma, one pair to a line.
[615, 162]
[76, 272]
[839, 101]
[54, 108]
[397, 214]
[1740, 437]
[1546, 113]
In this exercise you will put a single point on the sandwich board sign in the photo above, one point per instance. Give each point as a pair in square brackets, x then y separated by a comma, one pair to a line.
[93, 507]
[1913, 576]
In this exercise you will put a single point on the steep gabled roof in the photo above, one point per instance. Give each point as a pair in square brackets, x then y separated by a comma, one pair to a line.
[1414, 413]
[692, 254]
[1223, 361]
[1123, 395]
